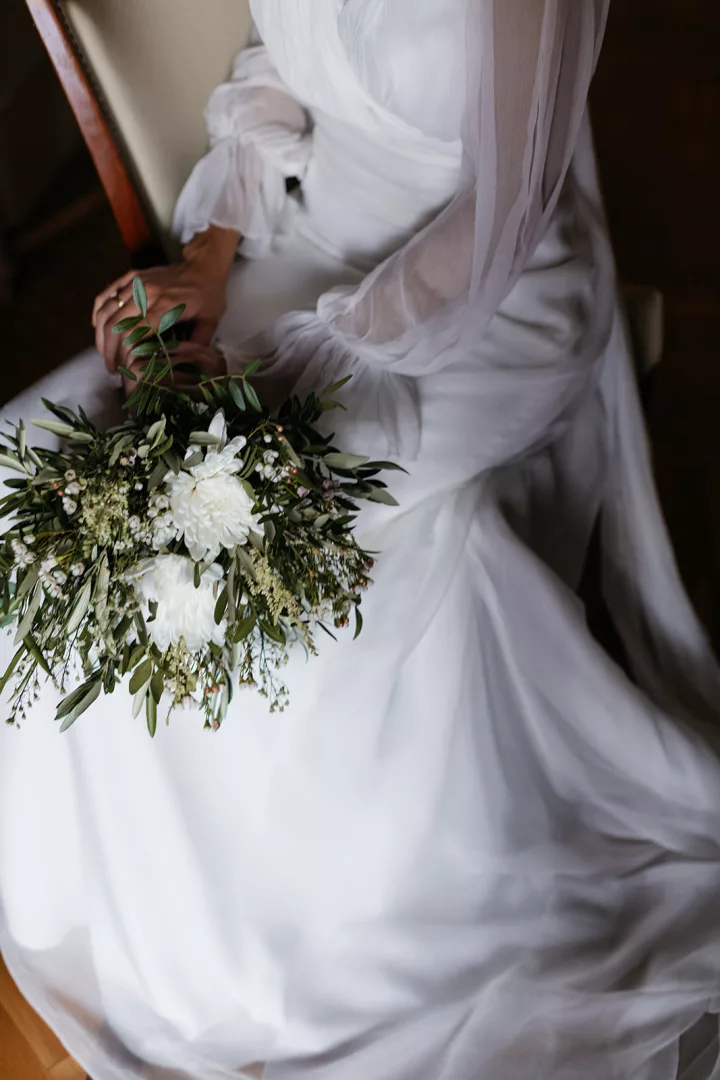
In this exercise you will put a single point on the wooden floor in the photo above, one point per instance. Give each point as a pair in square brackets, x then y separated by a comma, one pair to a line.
[656, 108]
[28, 1051]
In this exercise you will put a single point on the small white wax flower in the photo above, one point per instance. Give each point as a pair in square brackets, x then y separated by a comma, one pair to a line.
[69, 505]
[73, 488]
[134, 523]
[162, 502]
[210, 507]
[60, 576]
[28, 558]
[29, 538]
[77, 569]
[19, 549]
[268, 438]
[70, 475]
[48, 564]
[183, 611]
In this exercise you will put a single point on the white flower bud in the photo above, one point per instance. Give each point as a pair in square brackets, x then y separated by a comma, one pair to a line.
[69, 505]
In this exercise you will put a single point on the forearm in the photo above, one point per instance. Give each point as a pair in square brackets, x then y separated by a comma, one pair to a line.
[213, 250]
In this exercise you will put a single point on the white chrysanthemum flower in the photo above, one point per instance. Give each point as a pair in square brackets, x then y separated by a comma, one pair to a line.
[210, 508]
[182, 610]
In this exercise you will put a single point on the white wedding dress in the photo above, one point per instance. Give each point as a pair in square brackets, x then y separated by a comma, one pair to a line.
[472, 849]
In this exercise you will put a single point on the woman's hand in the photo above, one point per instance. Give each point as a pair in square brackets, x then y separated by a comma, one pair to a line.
[199, 282]
[210, 362]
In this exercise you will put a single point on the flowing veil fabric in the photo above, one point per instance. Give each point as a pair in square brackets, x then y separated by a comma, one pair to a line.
[472, 849]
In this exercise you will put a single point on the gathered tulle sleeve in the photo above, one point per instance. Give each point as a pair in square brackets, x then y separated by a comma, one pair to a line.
[260, 137]
[530, 64]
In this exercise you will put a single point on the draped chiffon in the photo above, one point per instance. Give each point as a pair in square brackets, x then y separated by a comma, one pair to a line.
[472, 849]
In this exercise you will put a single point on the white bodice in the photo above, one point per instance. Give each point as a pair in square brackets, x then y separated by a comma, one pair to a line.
[386, 136]
[382, 67]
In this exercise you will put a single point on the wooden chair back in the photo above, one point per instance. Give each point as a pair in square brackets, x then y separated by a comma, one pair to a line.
[138, 74]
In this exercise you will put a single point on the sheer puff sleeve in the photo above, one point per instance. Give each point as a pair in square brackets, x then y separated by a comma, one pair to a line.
[260, 137]
[530, 66]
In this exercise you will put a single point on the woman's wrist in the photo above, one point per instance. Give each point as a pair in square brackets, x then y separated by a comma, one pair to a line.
[214, 250]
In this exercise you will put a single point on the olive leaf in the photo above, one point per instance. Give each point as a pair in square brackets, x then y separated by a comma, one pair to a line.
[171, 317]
[85, 702]
[140, 296]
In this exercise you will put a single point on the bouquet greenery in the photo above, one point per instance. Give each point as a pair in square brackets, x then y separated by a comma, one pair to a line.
[188, 548]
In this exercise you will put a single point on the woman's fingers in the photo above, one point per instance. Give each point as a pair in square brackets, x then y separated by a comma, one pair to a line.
[208, 360]
[123, 286]
[108, 343]
[204, 331]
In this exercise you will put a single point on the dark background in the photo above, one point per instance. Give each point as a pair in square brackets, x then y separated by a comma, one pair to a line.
[656, 104]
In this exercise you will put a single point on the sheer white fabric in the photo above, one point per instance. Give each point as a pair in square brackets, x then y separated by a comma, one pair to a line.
[260, 138]
[472, 849]
[529, 67]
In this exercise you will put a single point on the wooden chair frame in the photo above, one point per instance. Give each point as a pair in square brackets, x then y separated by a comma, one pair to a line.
[100, 133]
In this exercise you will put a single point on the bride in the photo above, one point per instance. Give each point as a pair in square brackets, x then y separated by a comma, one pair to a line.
[471, 849]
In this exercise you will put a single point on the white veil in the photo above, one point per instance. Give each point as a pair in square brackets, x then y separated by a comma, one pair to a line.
[529, 65]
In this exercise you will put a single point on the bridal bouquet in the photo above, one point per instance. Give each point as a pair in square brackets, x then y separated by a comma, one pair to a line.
[188, 548]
